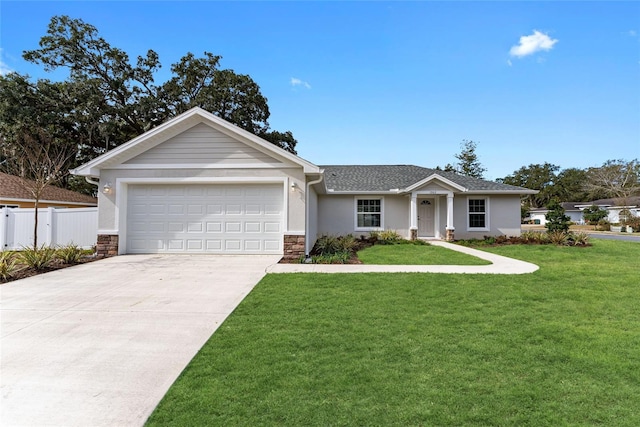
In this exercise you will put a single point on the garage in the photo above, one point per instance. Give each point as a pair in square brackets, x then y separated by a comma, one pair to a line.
[205, 218]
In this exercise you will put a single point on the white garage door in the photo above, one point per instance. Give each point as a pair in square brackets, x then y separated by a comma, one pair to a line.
[230, 218]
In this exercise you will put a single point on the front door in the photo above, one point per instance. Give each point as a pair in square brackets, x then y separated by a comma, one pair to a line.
[426, 220]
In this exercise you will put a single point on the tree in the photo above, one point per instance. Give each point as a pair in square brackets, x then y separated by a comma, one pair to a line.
[535, 177]
[556, 218]
[107, 99]
[40, 163]
[618, 179]
[468, 163]
[569, 186]
[593, 214]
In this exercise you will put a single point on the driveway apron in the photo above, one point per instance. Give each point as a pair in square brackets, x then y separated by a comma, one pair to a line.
[99, 344]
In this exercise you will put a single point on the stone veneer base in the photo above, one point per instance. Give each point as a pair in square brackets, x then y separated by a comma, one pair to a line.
[107, 245]
[450, 236]
[293, 247]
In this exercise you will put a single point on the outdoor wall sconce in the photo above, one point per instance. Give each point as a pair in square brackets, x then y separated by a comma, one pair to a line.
[107, 188]
[293, 186]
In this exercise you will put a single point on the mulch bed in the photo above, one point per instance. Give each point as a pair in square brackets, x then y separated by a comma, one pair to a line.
[29, 272]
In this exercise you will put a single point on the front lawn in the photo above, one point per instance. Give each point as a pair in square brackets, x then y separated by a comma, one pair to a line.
[560, 346]
[416, 255]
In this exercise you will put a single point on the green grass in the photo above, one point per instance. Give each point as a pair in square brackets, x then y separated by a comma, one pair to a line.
[416, 255]
[557, 347]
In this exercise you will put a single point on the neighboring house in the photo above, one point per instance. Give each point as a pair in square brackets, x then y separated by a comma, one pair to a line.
[571, 209]
[575, 210]
[14, 193]
[200, 184]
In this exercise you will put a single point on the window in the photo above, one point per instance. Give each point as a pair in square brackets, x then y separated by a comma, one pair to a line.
[9, 206]
[368, 214]
[477, 210]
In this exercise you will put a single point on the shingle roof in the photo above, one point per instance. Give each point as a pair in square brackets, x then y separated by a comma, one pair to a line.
[387, 177]
[14, 187]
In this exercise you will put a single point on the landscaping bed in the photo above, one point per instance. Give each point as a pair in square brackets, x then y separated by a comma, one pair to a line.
[15, 265]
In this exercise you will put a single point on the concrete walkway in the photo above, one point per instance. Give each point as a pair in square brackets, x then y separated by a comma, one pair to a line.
[99, 344]
[500, 265]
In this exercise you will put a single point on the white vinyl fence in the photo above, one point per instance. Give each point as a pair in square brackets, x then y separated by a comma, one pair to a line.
[55, 227]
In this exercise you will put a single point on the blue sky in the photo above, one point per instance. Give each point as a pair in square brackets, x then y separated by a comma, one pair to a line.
[398, 82]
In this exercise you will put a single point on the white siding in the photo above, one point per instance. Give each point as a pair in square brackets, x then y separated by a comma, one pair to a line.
[202, 144]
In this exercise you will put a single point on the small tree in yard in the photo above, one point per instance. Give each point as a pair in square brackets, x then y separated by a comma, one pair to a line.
[593, 214]
[556, 218]
[41, 162]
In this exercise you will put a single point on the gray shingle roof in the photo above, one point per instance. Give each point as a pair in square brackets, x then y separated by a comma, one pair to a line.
[387, 177]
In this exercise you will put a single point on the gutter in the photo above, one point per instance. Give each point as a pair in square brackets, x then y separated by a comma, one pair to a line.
[306, 210]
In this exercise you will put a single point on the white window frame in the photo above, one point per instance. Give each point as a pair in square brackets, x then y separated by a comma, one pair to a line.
[486, 214]
[355, 213]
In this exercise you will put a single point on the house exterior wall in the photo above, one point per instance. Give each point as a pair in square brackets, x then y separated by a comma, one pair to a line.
[504, 216]
[312, 226]
[337, 216]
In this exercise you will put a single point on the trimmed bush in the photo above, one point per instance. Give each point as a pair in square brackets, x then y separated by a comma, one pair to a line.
[8, 265]
[37, 258]
[69, 254]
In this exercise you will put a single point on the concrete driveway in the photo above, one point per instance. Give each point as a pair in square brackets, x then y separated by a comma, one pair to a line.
[99, 344]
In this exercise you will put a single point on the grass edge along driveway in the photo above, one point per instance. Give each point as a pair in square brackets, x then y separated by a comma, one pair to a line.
[556, 347]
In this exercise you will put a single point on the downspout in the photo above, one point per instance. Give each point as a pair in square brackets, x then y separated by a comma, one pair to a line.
[307, 249]
[90, 181]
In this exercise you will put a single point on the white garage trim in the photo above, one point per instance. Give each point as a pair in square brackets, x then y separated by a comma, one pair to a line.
[122, 184]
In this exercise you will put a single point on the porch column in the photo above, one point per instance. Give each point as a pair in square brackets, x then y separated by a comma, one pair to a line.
[414, 217]
[450, 228]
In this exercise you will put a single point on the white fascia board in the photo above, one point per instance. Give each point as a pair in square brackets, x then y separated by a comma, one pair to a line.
[332, 191]
[436, 177]
[92, 168]
[526, 191]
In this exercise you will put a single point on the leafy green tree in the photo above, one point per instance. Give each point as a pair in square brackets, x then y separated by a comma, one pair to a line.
[569, 186]
[593, 214]
[535, 177]
[468, 163]
[114, 99]
[556, 218]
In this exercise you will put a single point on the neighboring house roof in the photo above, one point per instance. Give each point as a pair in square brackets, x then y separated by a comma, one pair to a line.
[629, 201]
[567, 206]
[15, 188]
[177, 125]
[399, 178]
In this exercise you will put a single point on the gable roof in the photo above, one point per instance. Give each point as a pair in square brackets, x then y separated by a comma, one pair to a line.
[15, 188]
[402, 178]
[174, 127]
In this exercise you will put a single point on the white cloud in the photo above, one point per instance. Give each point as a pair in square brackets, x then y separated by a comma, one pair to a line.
[4, 68]
[529, 45]
[509, 62]
[632, 33]
[297, 82]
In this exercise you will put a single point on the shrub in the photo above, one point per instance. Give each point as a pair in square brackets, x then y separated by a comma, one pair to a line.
[633, 222]
[8, 265]
[69, 254]
[556, 218]
[387, 237]
[37, 258]
[328, 245]
[579, 239]
[603, 225]
[594, 214]
[558, 237]
[334, 258]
